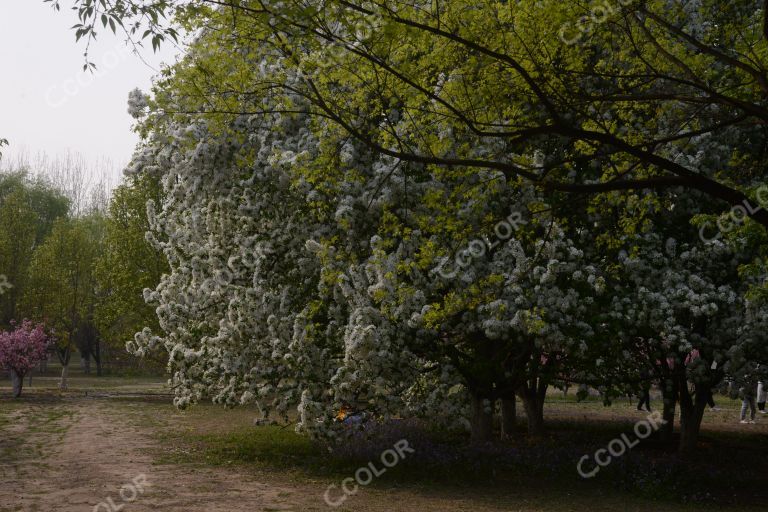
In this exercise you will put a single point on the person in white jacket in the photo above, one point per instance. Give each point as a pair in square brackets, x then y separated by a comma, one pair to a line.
[761, 396]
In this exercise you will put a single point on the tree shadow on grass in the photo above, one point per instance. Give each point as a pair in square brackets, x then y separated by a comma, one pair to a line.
[729, 470]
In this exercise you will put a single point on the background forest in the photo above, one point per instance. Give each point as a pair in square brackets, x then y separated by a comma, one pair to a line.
[74, 258]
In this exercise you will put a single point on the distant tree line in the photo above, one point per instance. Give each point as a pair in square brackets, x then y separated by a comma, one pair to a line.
[76, 259]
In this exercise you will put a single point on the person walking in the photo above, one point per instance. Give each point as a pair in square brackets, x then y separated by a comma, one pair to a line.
[645, 397]
[711, 402]
[761, 395]
[748, 392]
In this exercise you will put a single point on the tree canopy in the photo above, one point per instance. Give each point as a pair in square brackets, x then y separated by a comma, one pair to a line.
[647, 97]
[432, 207]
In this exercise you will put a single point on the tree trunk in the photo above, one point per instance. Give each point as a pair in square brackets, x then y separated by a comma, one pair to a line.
[97, 358]
[482, 420]
[508, 417]
[691, 414]
[18, 382]
[64, 354]
[533, 403]
[63, 381]
[669, 391]
[86, 364]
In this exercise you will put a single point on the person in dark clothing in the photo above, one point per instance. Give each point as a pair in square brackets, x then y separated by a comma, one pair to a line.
[748, 393]
[645, 397]
[711, 402]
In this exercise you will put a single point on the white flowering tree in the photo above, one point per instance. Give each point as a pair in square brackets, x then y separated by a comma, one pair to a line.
[681, 311]
[306, 268]
[511, 323]
[234, 237]
[248, 311]
[482, 307]
[308, 263]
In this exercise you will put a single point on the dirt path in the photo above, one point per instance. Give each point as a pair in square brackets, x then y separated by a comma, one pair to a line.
[91, 456]
[86, 455]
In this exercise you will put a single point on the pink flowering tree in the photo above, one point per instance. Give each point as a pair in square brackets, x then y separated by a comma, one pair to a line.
[22, 349]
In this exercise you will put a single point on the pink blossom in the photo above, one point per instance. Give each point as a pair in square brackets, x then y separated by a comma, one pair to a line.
[692, 356]
[23, 348]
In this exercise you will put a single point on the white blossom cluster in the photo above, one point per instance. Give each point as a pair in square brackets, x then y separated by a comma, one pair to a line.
[686, 302]
[240, 272]
[261, 304]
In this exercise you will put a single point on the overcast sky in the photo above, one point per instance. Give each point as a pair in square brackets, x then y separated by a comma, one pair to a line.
[47, 102]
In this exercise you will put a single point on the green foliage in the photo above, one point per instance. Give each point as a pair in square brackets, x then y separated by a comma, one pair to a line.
[127, 263]
[61, 291]
[571, 96]
[28, 210]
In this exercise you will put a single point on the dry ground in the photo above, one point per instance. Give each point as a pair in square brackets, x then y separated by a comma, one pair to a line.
[73, 451]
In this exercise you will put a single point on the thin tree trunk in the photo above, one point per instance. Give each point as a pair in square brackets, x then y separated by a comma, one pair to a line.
[18, 383]
[508, 417]
[64, 358]
[64, 373]
[482, 420]
[97, 358]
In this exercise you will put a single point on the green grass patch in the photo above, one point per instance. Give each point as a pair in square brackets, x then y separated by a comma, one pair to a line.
[267, 448]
